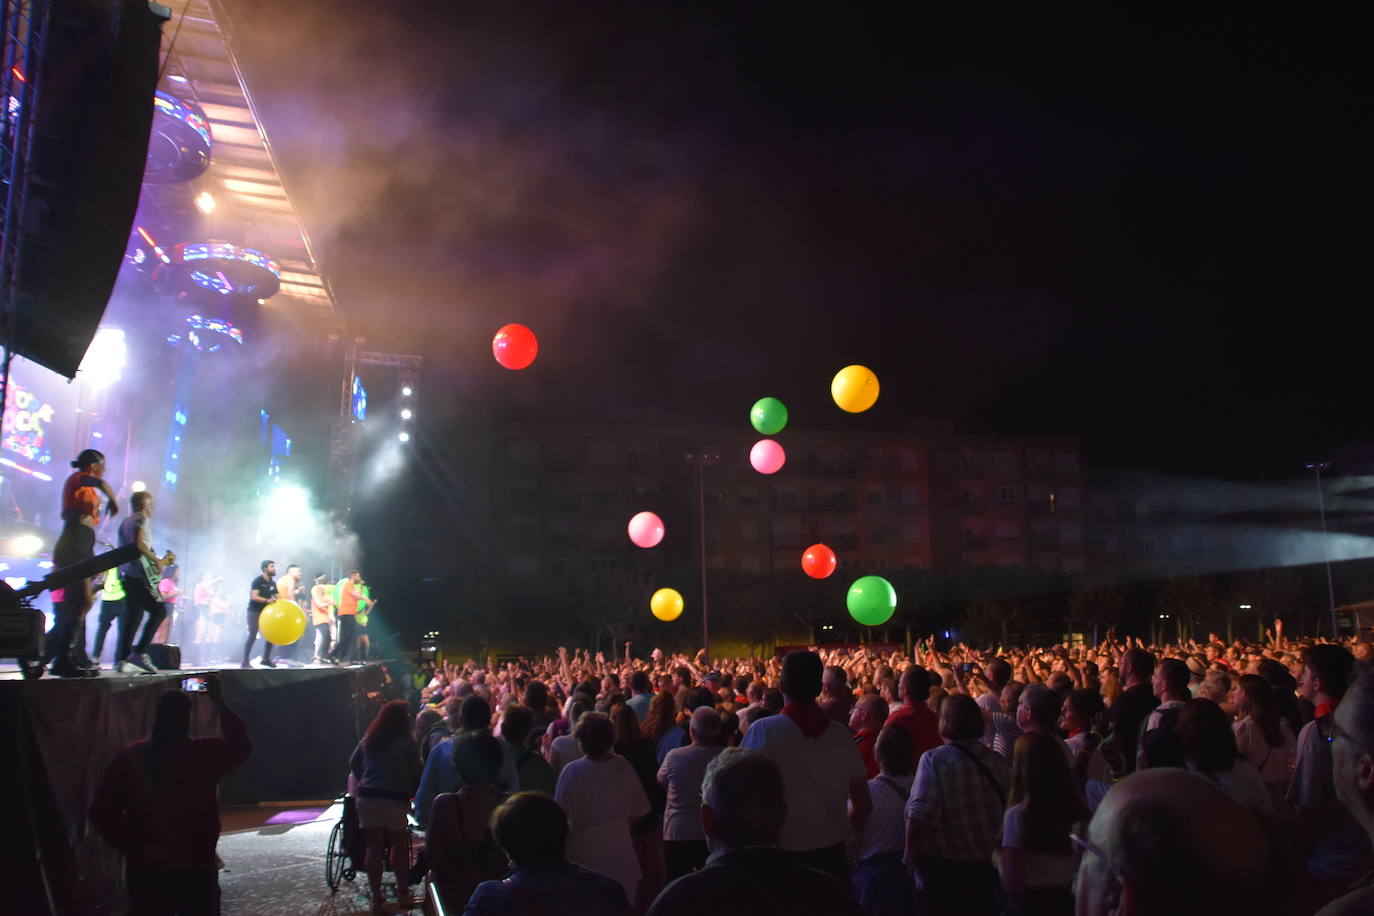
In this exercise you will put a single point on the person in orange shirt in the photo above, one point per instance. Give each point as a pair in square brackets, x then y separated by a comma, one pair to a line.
[349, 596]
[66, 642]
[322, 616]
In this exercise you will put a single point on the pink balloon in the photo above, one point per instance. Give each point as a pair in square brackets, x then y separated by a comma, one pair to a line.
[646, 529]
[767, 456]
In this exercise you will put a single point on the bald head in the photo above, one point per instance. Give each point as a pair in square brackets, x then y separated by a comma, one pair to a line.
[1352, 750]
[1177, 844]
[705, 724]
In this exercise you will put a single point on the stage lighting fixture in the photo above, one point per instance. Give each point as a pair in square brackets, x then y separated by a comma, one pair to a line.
[407, 413]
[290, 498]
[205, 202]
[407, 391]
[105, 357]
[137, 486]
[404, 437]
[25, 545]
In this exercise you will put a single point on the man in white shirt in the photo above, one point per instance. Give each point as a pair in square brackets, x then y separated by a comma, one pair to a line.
[684, 841]
[821, 769]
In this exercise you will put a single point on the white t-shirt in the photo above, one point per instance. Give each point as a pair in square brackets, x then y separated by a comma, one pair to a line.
[601, 797]
[682, 773]
[1242, 782]
[1043, 869]
[816, 773]
[563, 751]
[1271, 762]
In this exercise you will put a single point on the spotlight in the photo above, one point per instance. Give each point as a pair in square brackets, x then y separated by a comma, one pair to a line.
[205, 203]
[407, 413]
[26, 545]
[404, 437]
[407, 391]
[105, 357]
[137, 486]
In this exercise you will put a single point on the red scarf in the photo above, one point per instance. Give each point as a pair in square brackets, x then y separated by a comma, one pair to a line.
[1075, 733]
[1322, 711]
[810, 718]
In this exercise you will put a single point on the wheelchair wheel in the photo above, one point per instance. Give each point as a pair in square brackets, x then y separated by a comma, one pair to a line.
[334, 858]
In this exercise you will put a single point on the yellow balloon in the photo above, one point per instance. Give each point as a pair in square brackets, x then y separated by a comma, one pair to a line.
[666, 604]
[282, 622]
[854, 388]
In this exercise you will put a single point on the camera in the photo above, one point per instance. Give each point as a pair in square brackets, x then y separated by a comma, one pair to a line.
[193, 684]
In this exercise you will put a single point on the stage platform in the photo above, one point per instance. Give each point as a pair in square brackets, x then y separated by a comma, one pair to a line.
[59, 734]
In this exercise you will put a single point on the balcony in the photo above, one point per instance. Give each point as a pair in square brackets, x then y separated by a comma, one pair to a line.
[1044, 542]
[1039, 507]
[975, 542]
[968, 471]
[975, 507]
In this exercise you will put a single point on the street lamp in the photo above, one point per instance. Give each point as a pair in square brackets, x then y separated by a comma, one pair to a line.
[1259, 622]
[1318, 467]
[701, 459]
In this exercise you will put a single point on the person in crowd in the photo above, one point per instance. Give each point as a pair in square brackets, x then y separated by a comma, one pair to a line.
[1352, 752]
[1038, 710]
[537, 700]
[866, 722]
[1036, 862]
[386, 765]
[158, 805]
[882, 884]
[532, 829]
[1328, 841]
[1170, 686]
[1091, 772]
[821, 769]
[913, 715]
[681, 775]
[136, 578]
[111, 612]
[742, 813]
[261, 593]
[647, 832]
[440, 775]
[449, 722]
[1135, 702]
[1209, 748]
[641, 694]
[65, 645]
[661, 727]
[954, 814]
[997, 676]
[459, 845]
[604, 799]
[1167, 842]
[836, 697]
[565, 748]
[1263, 736]
[532, 772]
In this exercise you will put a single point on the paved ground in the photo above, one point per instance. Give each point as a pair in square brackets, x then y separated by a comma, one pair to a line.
[274, 864]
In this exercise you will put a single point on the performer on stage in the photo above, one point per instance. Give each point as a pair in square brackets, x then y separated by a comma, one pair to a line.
[365, 606]
[261, 593]
[66, 643]
[348, 599]
[169, 591]
[201, 597]
[137, 578]
[321, 615]
[289, 588]
[111, 612]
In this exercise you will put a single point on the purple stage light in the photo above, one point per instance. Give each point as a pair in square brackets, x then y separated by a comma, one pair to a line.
[179, 148]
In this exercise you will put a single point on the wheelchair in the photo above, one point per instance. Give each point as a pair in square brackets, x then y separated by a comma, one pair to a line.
[346, 855]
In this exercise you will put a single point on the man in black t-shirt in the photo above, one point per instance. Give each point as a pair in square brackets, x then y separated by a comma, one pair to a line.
[1135, 702]
[262, 593]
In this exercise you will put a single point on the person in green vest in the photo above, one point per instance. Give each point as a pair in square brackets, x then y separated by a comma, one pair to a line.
[111, 609]
[365, 606]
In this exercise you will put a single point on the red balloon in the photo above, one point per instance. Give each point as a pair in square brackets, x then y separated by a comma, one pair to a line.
[515, 346]
[819, 561]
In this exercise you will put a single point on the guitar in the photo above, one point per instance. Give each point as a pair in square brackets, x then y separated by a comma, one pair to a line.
[153, 569]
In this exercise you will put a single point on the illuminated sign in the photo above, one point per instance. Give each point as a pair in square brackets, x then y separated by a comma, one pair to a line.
[26, 424]
[359, 399]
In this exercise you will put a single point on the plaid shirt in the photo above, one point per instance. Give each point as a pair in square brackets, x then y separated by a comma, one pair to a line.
[953, 798]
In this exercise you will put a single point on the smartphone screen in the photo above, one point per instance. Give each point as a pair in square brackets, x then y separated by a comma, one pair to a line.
[193, 684]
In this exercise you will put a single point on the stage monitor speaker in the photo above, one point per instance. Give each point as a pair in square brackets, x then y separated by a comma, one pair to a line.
[165, 657]
[92, 110]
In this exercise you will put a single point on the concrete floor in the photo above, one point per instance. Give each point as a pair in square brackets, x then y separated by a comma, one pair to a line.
[274, 863]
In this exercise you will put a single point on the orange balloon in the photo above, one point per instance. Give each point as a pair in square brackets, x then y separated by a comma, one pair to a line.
[819, 561]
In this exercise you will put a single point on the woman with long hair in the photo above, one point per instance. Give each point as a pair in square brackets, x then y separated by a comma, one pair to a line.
[1036, 861]
[1209, 748]
[647, 832]
[66, 643]
[386, 764]
[1262, 734]
[660, 725]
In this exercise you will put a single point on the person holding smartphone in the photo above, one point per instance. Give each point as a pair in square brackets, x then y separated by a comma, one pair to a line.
[158, 803]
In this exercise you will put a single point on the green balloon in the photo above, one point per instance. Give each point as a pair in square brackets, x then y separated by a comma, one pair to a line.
[871, 600]
[769, 416]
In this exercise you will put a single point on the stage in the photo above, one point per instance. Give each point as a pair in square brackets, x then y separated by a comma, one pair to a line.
[59, 734]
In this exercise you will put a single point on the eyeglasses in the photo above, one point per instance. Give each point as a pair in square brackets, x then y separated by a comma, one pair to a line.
[1088, 845]
[1338, 732]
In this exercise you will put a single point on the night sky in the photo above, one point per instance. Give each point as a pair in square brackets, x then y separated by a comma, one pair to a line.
[1132, 226]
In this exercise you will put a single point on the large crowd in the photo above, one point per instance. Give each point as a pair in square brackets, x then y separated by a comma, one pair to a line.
[1112, 778]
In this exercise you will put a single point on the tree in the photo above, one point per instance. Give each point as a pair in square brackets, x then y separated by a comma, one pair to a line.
[614, 602]
[1099, 601]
